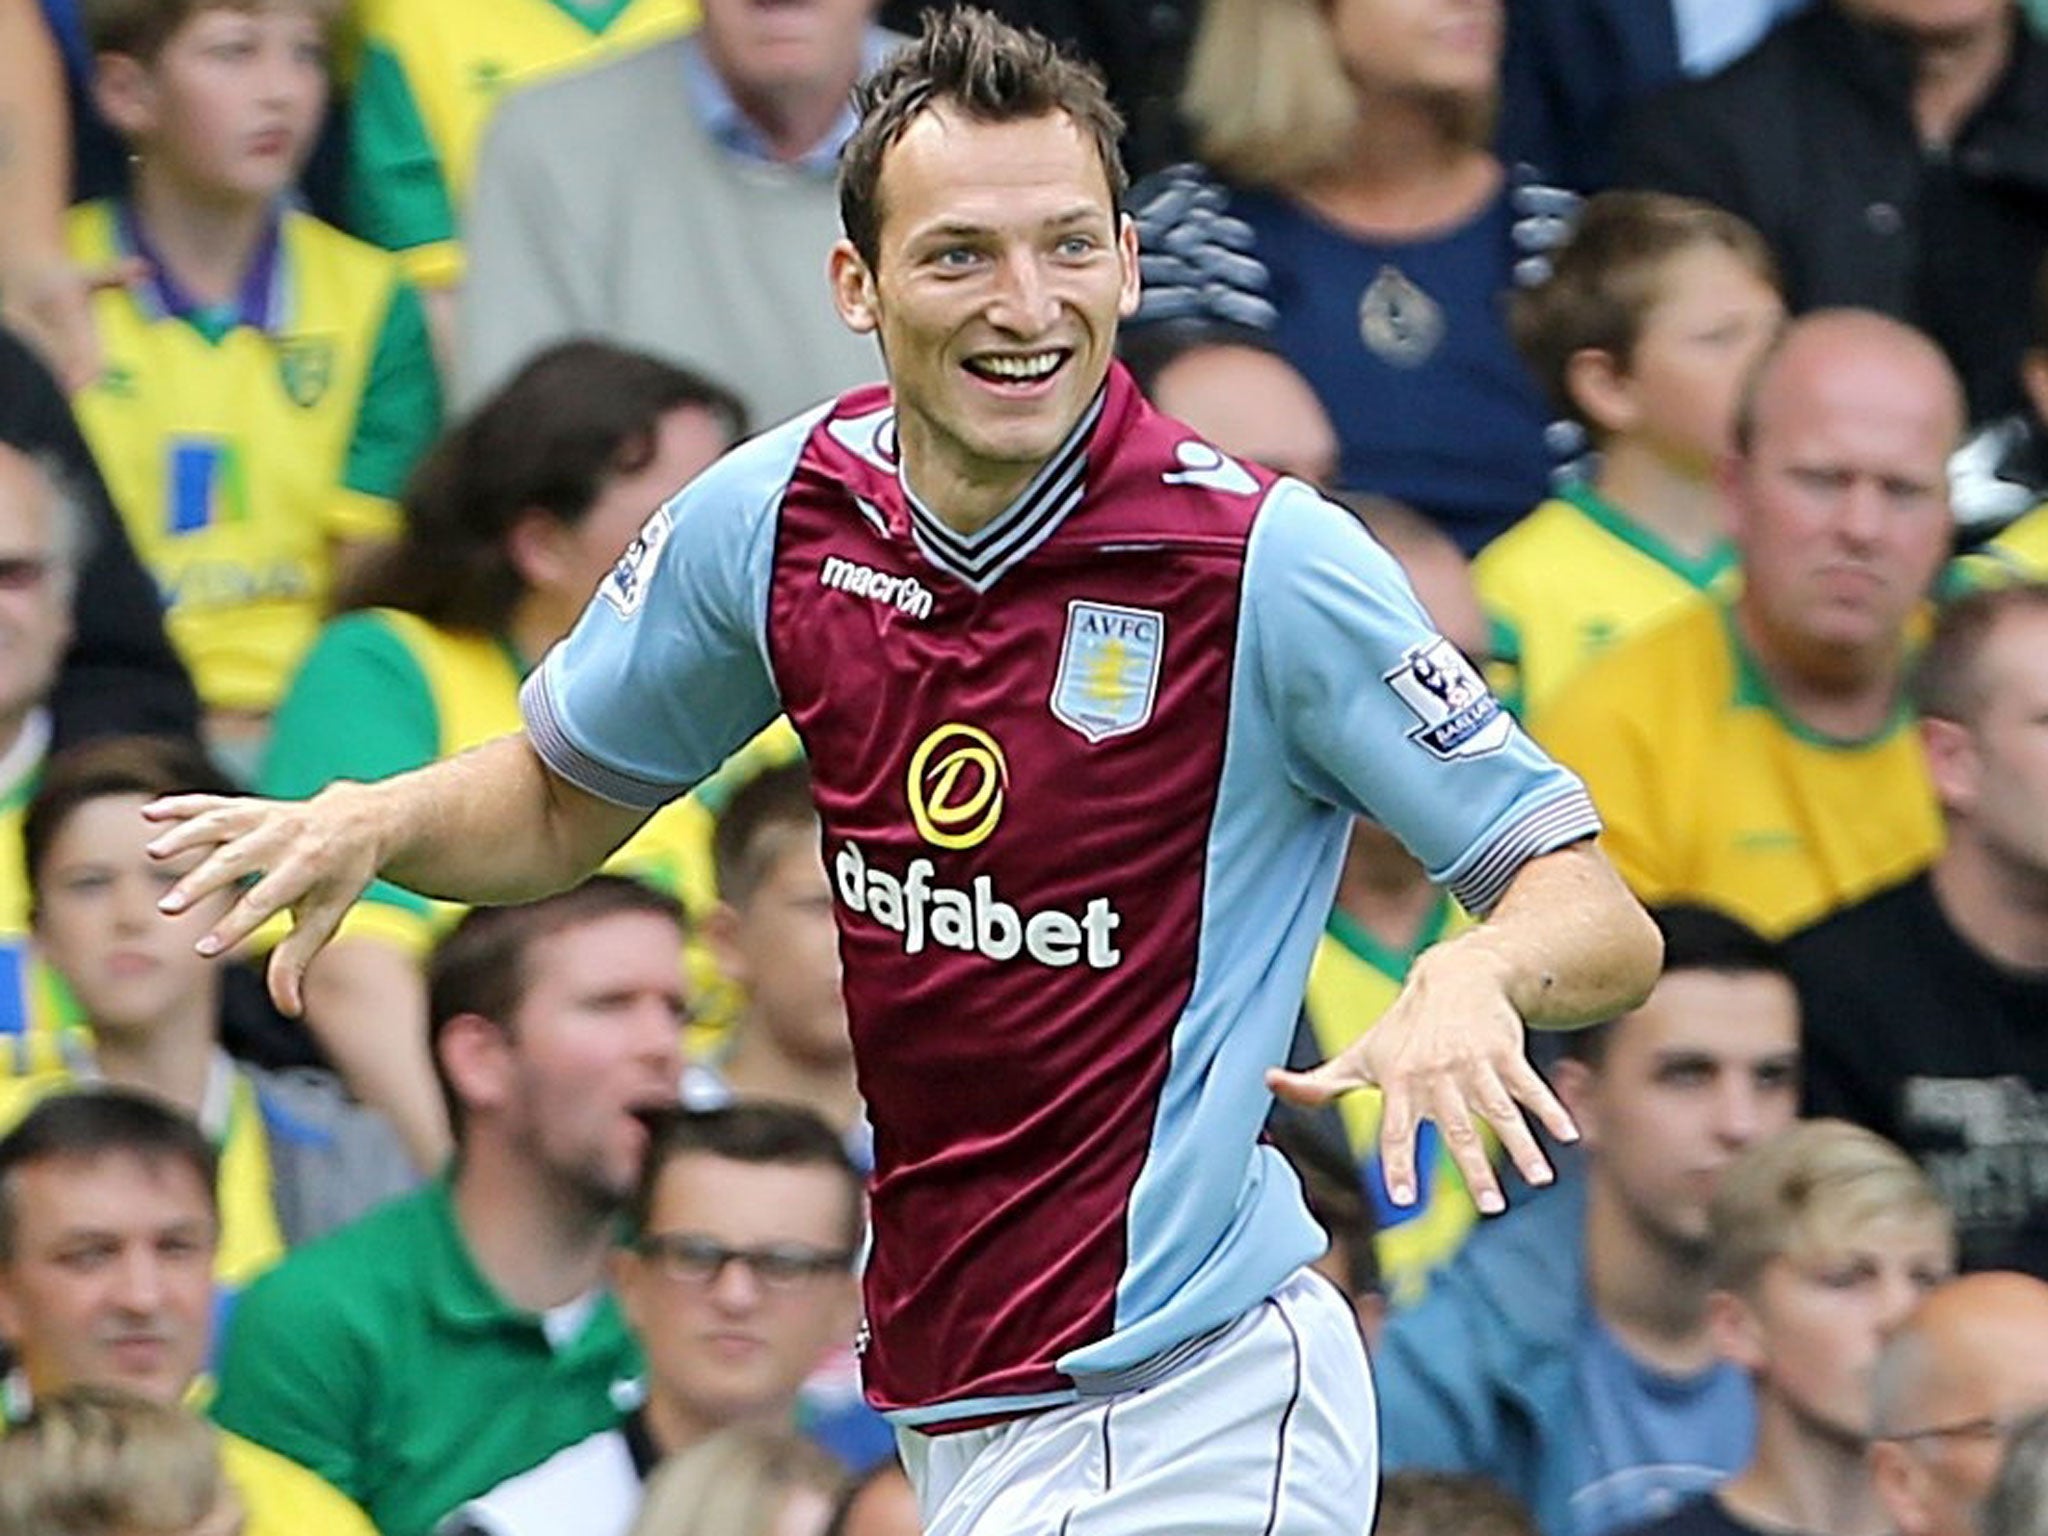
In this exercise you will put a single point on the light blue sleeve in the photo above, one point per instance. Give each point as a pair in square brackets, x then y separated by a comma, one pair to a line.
[1378, 714]
[667, 671]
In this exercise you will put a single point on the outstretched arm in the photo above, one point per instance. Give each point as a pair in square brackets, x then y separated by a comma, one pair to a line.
[1567, 945]
[492, 825]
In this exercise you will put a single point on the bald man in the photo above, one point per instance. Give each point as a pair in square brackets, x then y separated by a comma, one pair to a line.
[1964, 1369]
[1250, 402]
[1755, 753]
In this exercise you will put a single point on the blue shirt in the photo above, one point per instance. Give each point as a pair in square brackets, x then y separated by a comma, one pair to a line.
[712, 103]
[1406, 344]
[1651, 1440]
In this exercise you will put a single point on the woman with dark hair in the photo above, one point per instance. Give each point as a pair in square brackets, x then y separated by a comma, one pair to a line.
[514, 517]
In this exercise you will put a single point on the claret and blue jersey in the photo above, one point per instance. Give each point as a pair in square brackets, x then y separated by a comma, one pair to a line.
[1085, 778]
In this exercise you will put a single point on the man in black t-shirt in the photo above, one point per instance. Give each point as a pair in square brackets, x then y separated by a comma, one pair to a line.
[1926, 1005]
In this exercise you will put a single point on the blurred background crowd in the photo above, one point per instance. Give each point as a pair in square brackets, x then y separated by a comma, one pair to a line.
[1690, 355]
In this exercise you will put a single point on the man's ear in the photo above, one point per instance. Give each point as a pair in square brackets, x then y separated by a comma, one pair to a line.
[1952, 762]
[1572, 1080]
[720, 930]
[853, 289]
[477, 1057]
[1129, 292]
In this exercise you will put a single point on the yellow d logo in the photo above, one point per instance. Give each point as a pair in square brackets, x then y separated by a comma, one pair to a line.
[956, 784]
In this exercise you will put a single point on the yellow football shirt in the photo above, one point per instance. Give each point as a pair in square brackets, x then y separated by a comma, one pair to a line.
[1572, 578]
[1711, 793]
[241, 446]
[433, 72]
[282, 1498]
[2023, 546]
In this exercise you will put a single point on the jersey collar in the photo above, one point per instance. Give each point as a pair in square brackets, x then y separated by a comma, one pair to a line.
[260, 302]
[980, 558]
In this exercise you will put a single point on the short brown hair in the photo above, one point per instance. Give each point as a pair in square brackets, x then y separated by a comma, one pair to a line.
[1609, 275]
[989, 71]
[480, 968]
[95, 1121]
[1947, 683]
[761, 1133]
[103, 769]
[140, 28]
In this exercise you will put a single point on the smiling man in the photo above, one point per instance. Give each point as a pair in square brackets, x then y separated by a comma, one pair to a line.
[1084, 799]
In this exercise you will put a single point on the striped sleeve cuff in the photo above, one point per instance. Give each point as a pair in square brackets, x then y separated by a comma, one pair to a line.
[1544, 828]
[544, 727]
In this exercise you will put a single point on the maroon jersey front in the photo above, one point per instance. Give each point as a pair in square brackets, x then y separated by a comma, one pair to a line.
[1013, 1025]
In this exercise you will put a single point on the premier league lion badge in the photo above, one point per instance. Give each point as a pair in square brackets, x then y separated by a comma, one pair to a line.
[1460, 716]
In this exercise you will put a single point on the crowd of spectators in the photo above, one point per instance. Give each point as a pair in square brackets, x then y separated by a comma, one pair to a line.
[1691, 356]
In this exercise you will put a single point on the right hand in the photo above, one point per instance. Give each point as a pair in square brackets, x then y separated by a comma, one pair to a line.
[312, 858]
[49, 304]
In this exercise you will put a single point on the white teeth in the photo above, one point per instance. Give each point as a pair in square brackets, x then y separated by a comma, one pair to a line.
[1037, 365]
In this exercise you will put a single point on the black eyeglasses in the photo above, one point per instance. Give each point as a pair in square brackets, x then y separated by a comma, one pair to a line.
[699, 1261]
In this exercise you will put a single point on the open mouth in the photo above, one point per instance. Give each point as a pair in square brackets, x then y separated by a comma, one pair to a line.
[1018, 369]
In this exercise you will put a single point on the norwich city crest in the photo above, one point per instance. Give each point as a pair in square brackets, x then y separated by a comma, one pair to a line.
[305, 366]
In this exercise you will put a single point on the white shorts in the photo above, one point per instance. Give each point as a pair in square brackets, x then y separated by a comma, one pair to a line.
[1269, 1429]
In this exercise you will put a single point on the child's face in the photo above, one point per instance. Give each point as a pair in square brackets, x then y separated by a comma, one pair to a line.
[1818, 1319]
[98, 925]
[230, 107]
[1712, 318]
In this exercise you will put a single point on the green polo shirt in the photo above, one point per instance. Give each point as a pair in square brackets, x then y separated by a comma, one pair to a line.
[382, 1359]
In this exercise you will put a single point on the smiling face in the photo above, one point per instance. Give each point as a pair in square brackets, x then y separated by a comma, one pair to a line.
[1002, 268]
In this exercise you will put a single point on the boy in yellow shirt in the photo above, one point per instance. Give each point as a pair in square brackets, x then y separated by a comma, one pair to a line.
[150, 1007]
[269, 384]
[1651, 318]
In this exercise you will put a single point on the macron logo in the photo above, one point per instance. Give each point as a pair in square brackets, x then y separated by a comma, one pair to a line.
[906, 594]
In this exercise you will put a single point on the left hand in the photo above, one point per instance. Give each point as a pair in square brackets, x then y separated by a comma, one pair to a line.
[1451, 1048]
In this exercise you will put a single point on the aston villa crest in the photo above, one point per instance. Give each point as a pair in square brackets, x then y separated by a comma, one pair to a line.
[1108, 676]
[305, 366]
